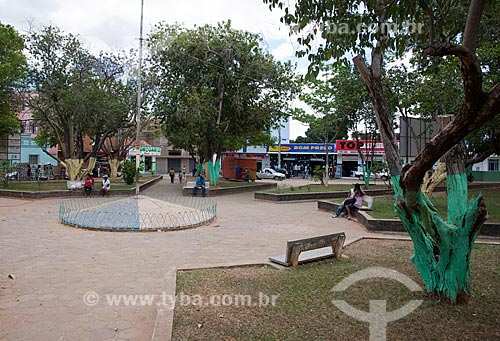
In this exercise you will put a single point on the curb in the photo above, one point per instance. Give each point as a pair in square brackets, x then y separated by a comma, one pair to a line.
[71, 193]
[395, 225]
[212, 191]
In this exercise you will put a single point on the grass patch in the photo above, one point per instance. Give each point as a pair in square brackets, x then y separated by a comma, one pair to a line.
[60, 185]
[232, 184]
[304, 311]
[317, 188]
[383, 206]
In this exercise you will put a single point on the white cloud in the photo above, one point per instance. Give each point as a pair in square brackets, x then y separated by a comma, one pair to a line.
[111, 24]
[284, 51]
[114, 24]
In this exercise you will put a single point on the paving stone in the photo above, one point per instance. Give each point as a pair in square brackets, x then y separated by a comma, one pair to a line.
[56, 265]
[133, 334]
[102, 334]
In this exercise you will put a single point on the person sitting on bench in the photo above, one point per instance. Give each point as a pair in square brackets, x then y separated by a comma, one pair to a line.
[200, 183]
[88, 186]
[247, 177]
[355, 199]
[106, 185]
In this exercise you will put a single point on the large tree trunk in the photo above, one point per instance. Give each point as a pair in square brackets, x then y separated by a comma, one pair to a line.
[438, 177]
[114, 164]
[442, 248]
[73, 168]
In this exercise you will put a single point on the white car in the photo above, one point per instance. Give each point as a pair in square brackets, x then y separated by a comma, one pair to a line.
[384, 176]
[269, 173]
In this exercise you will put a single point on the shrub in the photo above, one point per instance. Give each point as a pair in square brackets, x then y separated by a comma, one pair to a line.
[5, 170]
[128, 171]
[319, 174]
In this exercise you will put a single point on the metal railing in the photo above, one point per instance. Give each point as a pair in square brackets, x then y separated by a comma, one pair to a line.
[143, 213]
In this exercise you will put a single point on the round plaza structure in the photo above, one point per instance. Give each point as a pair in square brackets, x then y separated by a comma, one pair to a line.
[138, 213]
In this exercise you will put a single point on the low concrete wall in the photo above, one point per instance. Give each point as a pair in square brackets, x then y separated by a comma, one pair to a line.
[71, 193]
[315, 195]
[394, 225]
[216, 191]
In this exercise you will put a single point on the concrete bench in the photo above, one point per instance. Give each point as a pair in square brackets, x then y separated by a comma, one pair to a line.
[369, 203]
[311, 249]
[75, 184]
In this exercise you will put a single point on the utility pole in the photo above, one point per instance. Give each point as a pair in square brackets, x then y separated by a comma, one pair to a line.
[279, 146]
[138, 116]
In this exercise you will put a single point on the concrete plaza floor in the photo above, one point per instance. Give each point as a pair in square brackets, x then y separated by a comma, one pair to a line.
[56, 281]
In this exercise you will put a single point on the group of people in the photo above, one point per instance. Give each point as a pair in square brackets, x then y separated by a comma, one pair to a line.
[89, 185]
[182, 175]
[45, 172]
[200, 180]
[354, 199]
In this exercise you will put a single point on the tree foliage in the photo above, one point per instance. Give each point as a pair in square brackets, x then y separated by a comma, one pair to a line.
[12, 73]
[217, 88]
[338, 102]
[76, 95]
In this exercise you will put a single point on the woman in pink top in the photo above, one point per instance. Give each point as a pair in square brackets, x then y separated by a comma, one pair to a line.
[358, 196]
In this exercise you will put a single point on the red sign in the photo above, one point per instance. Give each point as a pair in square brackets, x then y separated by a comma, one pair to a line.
[365, 146]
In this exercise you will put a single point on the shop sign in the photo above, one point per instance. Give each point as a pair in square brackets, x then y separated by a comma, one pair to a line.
[365, 146]
[302, 148]
[146, 150]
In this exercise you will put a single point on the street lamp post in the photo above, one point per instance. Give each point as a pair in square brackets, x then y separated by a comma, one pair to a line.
[138, 116]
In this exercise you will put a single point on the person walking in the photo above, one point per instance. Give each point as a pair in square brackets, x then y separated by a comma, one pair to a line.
[181, 178]
[171, 172]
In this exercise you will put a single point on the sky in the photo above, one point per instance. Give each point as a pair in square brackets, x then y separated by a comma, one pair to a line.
[114, 24]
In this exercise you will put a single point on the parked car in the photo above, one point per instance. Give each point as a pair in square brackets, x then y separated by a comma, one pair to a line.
[283, 171]
[12, 176]
[269, 173]
[384, 176]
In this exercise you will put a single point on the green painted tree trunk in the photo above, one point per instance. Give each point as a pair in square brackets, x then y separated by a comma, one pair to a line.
[442, 249]
[214, 170]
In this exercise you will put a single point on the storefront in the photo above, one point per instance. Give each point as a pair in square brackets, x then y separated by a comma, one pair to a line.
[307, 156]
[148, 157]
[348, 155]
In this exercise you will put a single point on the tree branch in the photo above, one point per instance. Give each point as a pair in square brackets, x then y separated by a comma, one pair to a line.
[469, 65]
[472, 25]
[480, 158]
[374, 86]
[464, 123]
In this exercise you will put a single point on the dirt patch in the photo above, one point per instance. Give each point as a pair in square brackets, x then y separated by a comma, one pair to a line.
[303, 309]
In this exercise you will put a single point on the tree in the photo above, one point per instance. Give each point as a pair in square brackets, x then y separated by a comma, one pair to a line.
[12, 73]
[217, 89]
[442, 248]
[77, 95]
[336, 107]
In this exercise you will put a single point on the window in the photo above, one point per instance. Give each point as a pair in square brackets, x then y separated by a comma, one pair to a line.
[33, 159]
[174, 152]
[28, 127]
[493, 164]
